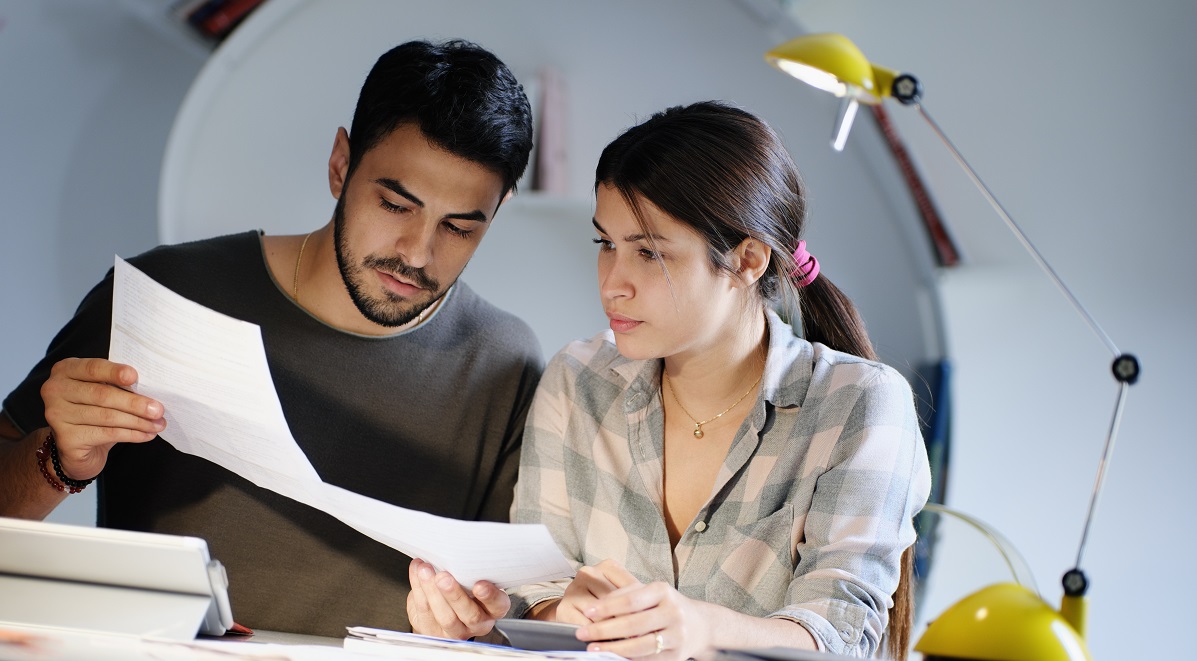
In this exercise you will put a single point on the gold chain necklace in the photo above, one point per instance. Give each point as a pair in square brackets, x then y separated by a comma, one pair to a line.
[698, 425]
[298, 261]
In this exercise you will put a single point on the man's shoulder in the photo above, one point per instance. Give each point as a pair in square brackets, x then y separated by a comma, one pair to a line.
[478, 317]
[208, 269]
[218, 251]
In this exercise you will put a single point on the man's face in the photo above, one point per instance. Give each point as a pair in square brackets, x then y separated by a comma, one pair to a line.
[407, 222]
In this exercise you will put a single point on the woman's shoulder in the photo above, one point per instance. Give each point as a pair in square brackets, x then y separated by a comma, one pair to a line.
[597, 353]
[835, 370]
[595, 363]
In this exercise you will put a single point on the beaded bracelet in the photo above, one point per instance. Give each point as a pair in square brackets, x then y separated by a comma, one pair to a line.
[43, 454]
[49, 450]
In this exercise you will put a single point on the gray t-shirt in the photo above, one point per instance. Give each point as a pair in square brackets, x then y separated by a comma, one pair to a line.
[430, 419]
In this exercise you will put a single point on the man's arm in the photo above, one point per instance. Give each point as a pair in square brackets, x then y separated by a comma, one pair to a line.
[89, 409]
[24, 492]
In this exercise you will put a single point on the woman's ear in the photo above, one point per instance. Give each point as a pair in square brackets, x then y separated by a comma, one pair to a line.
[338, 163]
[750, 259]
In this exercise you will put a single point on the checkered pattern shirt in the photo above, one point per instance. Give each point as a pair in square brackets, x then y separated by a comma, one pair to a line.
[809, 513]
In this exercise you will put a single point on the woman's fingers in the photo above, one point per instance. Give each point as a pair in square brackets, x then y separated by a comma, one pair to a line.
[615, 574]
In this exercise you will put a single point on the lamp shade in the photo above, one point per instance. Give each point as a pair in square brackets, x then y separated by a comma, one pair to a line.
[1002, 622]
[831, 62]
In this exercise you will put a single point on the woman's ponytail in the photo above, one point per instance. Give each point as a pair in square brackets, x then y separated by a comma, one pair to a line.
[829, 317]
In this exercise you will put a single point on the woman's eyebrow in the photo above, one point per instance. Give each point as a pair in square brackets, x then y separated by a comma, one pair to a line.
[632, 238]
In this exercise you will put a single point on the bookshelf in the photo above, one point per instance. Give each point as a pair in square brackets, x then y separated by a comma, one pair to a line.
[196, 26]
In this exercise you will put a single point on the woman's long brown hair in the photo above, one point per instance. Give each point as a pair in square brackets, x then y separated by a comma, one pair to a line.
[725, 174]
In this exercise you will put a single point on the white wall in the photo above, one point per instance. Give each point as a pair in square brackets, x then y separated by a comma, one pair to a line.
[87, 96]
[1096, 175]
[268, 102]
[91, 92]
[1078, 116]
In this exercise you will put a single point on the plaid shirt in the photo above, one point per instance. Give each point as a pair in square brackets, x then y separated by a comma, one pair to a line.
[808, 516]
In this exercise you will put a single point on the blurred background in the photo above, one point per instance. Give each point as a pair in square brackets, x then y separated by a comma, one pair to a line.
[1073, 112]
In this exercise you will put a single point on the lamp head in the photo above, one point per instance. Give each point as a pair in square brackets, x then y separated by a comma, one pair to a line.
[1002, 622]
[832, 63]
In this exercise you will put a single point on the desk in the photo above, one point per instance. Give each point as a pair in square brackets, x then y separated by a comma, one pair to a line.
[59, 645]
[45, 644]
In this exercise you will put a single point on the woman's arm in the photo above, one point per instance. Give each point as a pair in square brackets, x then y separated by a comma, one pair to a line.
[437, 604]
[541, 495]
[655, 620]
[860, 519]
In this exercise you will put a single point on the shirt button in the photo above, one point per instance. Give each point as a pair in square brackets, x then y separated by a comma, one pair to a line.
[701, 526]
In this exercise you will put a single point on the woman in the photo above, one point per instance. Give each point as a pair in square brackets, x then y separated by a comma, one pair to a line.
[719, 481]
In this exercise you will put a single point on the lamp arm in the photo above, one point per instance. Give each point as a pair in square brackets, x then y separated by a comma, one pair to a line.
[1125, 366]
[1014, 560]
[1106, 455]
[1018, 233]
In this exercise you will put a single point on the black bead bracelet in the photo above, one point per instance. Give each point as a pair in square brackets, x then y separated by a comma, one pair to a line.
[74, 485]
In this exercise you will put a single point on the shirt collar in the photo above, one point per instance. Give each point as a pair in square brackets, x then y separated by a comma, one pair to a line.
[789, 365]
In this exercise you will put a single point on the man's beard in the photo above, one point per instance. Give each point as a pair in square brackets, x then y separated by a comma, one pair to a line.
[392, 310]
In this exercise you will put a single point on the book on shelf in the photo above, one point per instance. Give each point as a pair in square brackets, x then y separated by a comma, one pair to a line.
[214, 19]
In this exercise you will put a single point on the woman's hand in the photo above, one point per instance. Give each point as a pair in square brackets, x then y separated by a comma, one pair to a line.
[637, 620]
[90, 409]
[439, 606]
[590, 585]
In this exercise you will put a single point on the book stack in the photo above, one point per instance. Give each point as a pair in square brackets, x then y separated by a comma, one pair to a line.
[214, 19]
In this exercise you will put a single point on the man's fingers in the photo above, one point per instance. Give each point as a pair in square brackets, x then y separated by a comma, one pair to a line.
[96, 370]
[495, 601]
[467, 611]
[418, 613]
[108, 396]
[417, 591]
[450, 606]
[63, 393]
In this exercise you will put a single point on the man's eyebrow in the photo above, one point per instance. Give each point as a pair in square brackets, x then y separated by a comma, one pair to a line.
[632, 238]
[398, 188]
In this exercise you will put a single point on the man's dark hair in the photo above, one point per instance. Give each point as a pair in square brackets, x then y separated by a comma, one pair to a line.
[463, 98]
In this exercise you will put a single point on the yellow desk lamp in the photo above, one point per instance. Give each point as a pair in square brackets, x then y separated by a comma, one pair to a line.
[1006, 621]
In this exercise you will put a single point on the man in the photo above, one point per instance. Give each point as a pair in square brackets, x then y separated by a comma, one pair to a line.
[397, 381]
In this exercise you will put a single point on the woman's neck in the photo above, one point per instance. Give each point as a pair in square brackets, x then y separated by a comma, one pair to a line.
[712, 377]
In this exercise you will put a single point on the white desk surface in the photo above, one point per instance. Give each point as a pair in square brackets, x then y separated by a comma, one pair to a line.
[44, 644]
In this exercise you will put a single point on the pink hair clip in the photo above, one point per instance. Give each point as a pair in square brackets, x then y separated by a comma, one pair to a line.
[807, 268]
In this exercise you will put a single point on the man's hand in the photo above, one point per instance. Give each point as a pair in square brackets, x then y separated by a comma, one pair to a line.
[439, 606]
[90, 409]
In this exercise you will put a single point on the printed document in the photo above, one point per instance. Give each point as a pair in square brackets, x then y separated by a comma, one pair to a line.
[210, 373]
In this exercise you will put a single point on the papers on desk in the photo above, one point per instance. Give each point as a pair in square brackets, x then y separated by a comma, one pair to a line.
[210, 372]
[56, 644]
[414, 647]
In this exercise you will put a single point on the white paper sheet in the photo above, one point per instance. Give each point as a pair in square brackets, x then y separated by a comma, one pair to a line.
[414, 647]
[210, 373]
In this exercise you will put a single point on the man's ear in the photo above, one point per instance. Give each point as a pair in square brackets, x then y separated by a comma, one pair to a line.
[338, 163]
[751, 260]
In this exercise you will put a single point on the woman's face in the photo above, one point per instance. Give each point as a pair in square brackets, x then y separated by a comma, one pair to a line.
[693, 310]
